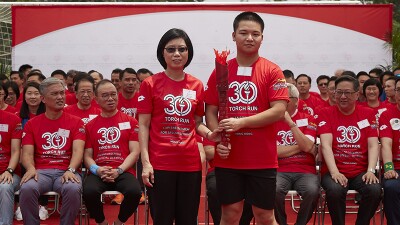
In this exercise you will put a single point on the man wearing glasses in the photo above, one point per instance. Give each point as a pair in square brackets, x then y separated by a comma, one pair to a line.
[389, 132]
[349, 141]
[322, 82]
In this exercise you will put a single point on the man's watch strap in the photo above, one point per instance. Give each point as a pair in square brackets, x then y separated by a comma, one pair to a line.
[72, 170]
[120, 171]
[10, 170]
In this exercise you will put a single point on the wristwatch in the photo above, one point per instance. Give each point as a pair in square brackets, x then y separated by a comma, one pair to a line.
[11, 171]
[371, 170]
[120, 171]
[72, 170]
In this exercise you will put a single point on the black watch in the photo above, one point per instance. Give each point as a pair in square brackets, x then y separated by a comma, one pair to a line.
[10, 170]
[120, 171]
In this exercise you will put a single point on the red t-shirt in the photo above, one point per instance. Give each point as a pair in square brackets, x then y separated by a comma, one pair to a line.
[70, 99]
[53, 139]
[128, 106]
[10, 128]
[10, 109]
[389, 126]
[173, 106]
[313, 104]
[301, 162]
[350, 137]
[377, 110]
[85, 115]
[248, 95]
[109, 138]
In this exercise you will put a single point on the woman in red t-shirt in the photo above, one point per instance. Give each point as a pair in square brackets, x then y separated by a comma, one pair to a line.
[170, 107]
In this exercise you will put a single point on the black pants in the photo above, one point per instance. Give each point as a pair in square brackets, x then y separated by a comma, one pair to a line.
[175, 196]
[126, 183]
[215, 206]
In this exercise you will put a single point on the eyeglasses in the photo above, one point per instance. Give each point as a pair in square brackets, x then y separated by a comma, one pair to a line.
[323, 84]
[106, 96]
[347, 94]
[173, 49]
[88, 92]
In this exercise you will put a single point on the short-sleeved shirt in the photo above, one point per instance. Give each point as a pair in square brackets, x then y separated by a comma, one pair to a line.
[350, 135]
[389, 127]
[313, 104]
[301, 162]
[10, 128]
[53, 139]
[173, 106]
[251, 91]
[85, 115]
[109, 138]
[128, 106]
[10, 109]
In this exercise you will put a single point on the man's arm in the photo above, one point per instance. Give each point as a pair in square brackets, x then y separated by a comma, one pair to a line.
[133, 156]
[7, 177]
[144, 128]
[373, 152]
[386, 148]
[262, 119]
[76, 161]
[28, 162]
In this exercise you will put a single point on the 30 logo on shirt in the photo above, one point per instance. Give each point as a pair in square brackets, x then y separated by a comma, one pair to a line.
[178, 105]
[350, 134]
[286, 138]
[109, 135]
[245, 92]
[54, 141]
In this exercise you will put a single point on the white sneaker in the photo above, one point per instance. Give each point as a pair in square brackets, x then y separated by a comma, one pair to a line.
[43, 213]
[18, 214]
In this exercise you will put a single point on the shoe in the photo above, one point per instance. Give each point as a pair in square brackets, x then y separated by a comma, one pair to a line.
[142, 199]
[117, 200]
[43, 213]
[18, 214]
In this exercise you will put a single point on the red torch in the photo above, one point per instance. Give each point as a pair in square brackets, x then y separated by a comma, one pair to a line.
[221, 72]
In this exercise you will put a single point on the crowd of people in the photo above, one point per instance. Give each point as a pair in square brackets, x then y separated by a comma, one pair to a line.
[278, 131]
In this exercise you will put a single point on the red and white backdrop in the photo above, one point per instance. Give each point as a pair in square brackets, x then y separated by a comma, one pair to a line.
[311, 39]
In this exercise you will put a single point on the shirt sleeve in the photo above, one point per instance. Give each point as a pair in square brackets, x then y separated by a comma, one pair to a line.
[385, 129]
[16, 128]
[79, 132]
[145, 104]
[28, 137]
[134, 132]
[323, 123]
[277, 89]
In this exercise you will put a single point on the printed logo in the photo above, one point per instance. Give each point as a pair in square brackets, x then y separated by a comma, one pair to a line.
[280, 83]
[109, 135]
[309, 110]
[129, 111]
[382, 127]
[140, 98]
[53, 141]
[245, 92]
[322, 123]
[286, 138]
[349, 134]
[178, 105]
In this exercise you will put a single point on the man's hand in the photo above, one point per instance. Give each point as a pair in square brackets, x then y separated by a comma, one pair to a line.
[340, 178]
[230, 124]
[223, 151]
[370, 178]
[390, 174]
[110, 175]
[69, 176]
[6, 177]
[31, 173]
[148, 175]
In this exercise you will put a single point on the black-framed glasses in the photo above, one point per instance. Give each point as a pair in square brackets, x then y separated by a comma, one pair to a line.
[347, 94]
[323, 84]
[173, 49]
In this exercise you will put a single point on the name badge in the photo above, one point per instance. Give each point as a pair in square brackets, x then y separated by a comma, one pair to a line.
[189, 94]
[92, 117]
[395, 123]
[4, 127]
[244, 71]
[63, 133]
[302, 122]
[124, 126]
[363, 124]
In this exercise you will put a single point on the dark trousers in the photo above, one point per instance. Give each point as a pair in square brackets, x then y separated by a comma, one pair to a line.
[391, 200]
[175, 196]
[126, 183]
[215, 206]
[336, 199]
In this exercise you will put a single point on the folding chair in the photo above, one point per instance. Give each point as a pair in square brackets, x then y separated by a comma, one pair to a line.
[56, 200]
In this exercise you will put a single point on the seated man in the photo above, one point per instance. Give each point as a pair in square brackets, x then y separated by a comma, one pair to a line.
[111, 151]
[10, 133]
[349, 140]
[52, 150]
[296, 158]
[389, 132]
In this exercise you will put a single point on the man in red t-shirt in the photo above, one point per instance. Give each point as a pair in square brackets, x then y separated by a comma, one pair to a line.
[389, 133]
[10, 134]
[111, 151]
[296, 158]
[257, 98]
[52, 151]
[84, 90]
[128, 97]
[349, 140]
[312, 100]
